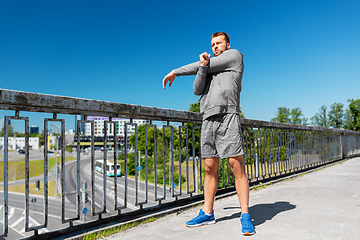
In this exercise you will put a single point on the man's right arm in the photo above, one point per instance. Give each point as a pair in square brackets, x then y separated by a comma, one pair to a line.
[190, 69]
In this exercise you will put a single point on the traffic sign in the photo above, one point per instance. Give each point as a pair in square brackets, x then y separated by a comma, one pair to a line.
[84, 210]
[83, 186]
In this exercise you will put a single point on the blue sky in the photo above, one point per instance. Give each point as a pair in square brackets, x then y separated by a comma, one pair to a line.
[297, 53]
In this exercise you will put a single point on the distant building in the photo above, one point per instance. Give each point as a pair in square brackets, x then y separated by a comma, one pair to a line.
[34, 129]
[55, 129]
[20, 143]
[82, 124]
[69, 138]
[119, 126]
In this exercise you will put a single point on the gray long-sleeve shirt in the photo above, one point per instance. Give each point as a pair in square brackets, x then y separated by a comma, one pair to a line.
[219, 82]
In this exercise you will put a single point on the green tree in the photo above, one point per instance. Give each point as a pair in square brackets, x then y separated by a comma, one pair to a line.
[336, 115]
[195, 107]
[354, 107]
[320, 119]
[296, 116]
[10, 131]
[305, 121]
[348, 121]
[150, 140]
[41, 139]
[283, 115]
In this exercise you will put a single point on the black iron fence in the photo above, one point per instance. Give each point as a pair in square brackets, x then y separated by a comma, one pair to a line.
[159, 163]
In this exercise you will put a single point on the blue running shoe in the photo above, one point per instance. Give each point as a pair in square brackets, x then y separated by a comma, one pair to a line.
[201, 219]
[246, 223]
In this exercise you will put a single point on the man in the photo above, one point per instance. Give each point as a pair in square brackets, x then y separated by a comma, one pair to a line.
[218, 81]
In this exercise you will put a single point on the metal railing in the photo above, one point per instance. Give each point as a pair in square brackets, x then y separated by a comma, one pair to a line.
[272, 150]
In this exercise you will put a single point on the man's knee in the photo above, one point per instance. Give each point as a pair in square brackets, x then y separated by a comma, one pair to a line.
[237, 164]
[211, 165]
[210, 170]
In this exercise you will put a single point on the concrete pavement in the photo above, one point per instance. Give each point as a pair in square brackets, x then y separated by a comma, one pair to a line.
[324, 204]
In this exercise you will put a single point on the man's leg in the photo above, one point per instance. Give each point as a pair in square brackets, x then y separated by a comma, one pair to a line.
[206, 216]
[211, 183]
[241, 182]
[242, 188]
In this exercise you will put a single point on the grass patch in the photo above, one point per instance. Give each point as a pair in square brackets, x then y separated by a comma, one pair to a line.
[111, 231]
[33, 190]
[36, 167]
[261, 185]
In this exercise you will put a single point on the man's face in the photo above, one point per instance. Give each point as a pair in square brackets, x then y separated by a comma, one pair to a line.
[219, 45]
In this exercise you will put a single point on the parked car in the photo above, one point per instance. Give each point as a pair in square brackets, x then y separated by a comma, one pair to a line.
[21, 151]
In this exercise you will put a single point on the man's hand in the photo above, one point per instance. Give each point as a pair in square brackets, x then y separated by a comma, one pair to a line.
[170, 77]
[204, 59]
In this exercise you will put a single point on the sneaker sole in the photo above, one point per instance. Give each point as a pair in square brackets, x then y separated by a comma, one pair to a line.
[248, 234]
[201, 224]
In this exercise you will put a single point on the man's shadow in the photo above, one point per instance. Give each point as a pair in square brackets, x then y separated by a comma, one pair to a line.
[261, 212]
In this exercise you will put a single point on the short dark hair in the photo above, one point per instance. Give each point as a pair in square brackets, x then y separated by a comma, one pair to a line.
[217, 34]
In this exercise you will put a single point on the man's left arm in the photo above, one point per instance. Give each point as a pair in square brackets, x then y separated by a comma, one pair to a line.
[229, 60]
[199, 84]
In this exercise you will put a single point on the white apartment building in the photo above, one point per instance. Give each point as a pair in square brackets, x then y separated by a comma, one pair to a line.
[20, 143]
[119, 126]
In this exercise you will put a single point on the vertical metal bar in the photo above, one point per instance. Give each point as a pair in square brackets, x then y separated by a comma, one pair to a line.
[265, 152]
[137, 183]
[200, 161]
[92, 165]
[126, 165]
[253, 153]
[228, 172]
[223, 171]
[46, 171]
[291, 154]
[257, 173]
[278, 154]
[180, 160]
[27, 185]
[195, 167]
[251, 134]
[258, 156]
[115, 165]
[260, 153]
[164, 161]
[180, 155]
[286, 147]
[246, 152]
[283, 152]
[78, 151]
[104, 165]
[297, 150]
[6, 178]
[187, 166]
[171, 150]
[272, 151]
[197, 170]
[264, 149]
[155, 162]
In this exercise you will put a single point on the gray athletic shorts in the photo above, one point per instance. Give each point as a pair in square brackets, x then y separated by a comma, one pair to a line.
[221, 136]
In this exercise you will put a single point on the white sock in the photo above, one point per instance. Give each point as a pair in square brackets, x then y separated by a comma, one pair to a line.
[208, 214]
